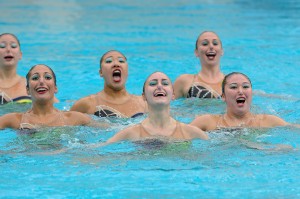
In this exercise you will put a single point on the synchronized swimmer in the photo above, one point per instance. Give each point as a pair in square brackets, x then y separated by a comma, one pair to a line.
[39, 87]
[12, 85]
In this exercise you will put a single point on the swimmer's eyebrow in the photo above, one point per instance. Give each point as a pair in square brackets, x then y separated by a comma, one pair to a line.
[157, 79]
[112, 56]
[234, 83]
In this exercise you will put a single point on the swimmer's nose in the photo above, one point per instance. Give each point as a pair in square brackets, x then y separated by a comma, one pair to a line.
[159, 86]
[240, 89]
[116, 63]
[41, 81]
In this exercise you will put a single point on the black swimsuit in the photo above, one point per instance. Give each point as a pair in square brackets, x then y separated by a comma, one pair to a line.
[4, 99]
[202, 90]
[106, 111]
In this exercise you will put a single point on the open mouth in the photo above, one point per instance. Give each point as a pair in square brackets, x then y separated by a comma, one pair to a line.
[41, 90]
[116, 75]
[8, 57]
[240, 100]
[159, 94]
[211, 55]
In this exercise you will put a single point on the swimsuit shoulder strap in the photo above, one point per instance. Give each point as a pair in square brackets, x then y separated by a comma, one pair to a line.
[220, 122]
[24, 124]
[24, 118]
[4, 98]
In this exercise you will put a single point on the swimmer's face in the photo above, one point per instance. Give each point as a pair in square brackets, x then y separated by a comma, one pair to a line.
[238, 93]
[10, 52]
[158, 89]
[209, 48]
[114, 70]
[41, 84]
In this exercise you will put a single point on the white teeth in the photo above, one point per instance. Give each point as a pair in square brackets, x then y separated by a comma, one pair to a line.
[159, 94]
[41, 89]
[211, 54]
[117, 72]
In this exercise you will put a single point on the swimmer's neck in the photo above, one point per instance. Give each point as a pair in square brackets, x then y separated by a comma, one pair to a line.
[210, 74]
[110, 93]
[159, 118]
[8, 79]
[43, 109]
[238, 117]
[8, 73]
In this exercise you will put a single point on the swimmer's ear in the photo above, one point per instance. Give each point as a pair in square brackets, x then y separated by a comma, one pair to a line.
[196, 53]
[21, 54]
[100, 72]
[173, 96]
[223, 97]
[55, 90]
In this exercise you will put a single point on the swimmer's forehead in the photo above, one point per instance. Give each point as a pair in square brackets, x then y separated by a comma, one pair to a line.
[158, 75]
[8, 38]
[113, 54]
[208, 36]
[237, 78]
[40, 69]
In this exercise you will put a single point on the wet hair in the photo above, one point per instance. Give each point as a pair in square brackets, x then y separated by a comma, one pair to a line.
[14, 36]
[148, 78]
[224, 82]
[196, 47]
[29, 73]
[101, 59]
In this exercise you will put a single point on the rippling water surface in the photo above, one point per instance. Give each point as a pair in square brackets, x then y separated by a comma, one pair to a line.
[260, 39]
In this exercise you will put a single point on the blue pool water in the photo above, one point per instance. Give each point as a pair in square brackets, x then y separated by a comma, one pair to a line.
[260, 39]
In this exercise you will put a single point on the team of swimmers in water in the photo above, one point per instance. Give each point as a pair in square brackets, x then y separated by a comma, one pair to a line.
[39, 88]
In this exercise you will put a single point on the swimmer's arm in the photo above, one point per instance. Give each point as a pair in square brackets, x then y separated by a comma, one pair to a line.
[266, 147]
[204, 122]
[194, 132]
[126, 134]
[130, 133]
[11, 120]
[273, 121]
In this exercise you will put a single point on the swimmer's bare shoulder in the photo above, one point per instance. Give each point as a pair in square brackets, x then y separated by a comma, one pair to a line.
[85, 105]
[182, 85]
[270, 120]
[192, 132]
[77, 118]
